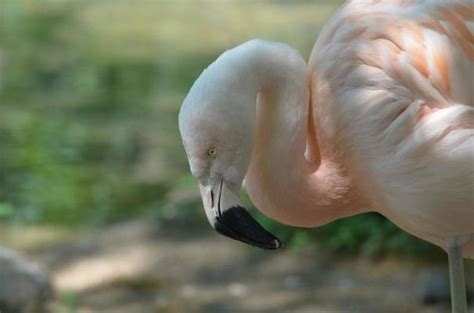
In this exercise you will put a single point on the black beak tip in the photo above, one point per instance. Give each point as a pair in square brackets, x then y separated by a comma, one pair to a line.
[275, 245]
[238, 224]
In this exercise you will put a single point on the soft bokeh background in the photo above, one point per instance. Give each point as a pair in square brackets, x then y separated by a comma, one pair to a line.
[94, 183]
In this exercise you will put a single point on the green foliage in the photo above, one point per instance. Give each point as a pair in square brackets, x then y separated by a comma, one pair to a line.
[68, 303]
[6, 210]
[69, 139]
[369, 234]
[373, 235]
[61, 173]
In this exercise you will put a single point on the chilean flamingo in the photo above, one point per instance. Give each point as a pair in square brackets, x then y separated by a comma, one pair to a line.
[380, 119]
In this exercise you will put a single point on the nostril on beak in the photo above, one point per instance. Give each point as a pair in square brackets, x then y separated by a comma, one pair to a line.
[212, 199]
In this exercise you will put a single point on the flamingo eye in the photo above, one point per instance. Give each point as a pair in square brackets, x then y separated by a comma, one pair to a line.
[212, 152]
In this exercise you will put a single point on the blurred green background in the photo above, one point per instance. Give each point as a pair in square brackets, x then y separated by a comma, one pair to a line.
[89, 97]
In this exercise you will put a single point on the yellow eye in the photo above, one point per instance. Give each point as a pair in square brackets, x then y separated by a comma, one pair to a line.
[212, 152]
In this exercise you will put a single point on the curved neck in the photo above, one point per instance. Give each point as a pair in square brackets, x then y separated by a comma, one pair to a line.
[288, 180]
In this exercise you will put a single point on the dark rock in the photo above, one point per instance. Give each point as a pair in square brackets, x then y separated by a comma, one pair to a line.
[435, 287]
[24, 287]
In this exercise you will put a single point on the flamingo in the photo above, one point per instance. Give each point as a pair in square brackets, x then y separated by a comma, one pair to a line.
[380, 119]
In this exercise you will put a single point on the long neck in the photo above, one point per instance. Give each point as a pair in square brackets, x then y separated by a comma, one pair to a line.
[291, 178]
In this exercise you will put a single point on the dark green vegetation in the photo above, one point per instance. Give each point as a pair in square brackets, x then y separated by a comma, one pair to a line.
[89, 96]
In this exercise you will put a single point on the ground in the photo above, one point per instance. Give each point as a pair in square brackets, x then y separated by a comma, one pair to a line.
[142, 266]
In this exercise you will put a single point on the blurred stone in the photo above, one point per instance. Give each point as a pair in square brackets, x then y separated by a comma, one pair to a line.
[237, 289]
[435, 287]
[24, 287]
[292, 282]
[346, 285]
[188, 291]
[164, 303]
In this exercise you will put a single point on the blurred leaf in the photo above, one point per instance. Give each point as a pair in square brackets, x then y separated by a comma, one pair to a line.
[301, 239]
[186, 181]
[6, 210]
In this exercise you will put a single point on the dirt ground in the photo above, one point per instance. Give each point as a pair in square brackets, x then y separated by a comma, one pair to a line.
[142, 267]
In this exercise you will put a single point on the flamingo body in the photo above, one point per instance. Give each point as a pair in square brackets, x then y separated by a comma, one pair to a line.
[394, 81]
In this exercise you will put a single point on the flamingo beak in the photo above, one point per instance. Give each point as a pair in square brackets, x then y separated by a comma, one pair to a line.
[228, 217]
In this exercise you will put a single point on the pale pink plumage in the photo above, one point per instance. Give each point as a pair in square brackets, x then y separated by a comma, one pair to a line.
[392, 94]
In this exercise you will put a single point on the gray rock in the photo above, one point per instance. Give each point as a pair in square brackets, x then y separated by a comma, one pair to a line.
[435, 287]
[24, 287]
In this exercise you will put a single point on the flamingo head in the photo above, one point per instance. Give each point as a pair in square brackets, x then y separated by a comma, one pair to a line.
[218, 137]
